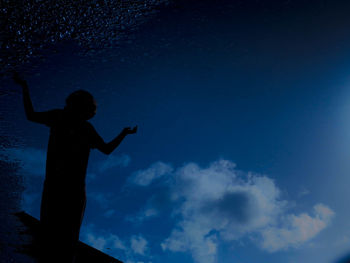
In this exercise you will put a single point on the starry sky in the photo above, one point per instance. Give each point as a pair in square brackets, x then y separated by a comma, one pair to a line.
[243, 148]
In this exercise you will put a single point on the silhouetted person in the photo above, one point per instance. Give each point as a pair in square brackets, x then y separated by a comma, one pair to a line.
[63, 199]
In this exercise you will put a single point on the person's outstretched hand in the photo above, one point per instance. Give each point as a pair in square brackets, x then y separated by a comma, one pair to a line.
[18, 80]
[128, 130]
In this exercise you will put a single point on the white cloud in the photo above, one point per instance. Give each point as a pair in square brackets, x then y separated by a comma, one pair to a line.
[219, 203]
[157, 203]
[90, 176]
[138, 244]
[31, 161]
[343, 241]
[109, 213]
[155, 171]
[97, 242]
[303, 192]
[143, 215]
[114, 161]
[106, 243]
[102, 199]
[115, 246]
[296, 230]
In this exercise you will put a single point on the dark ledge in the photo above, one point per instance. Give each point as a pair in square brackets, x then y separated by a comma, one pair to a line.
[85, 253]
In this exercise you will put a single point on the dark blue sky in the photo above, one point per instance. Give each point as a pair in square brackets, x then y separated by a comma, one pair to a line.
[260, 84]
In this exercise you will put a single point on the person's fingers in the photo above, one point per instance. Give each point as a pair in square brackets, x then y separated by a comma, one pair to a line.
[130, 130]
[17, 79]
[16, 76]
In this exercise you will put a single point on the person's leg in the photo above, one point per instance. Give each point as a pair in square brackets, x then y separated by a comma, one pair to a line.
[56, 243]
[44, 235]
[61, 216]
[77, 221]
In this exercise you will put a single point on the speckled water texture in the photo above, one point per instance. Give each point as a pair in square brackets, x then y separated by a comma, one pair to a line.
[28, 27]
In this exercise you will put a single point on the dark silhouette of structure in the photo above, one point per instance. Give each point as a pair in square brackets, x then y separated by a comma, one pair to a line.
[63, 199]
[84, 253]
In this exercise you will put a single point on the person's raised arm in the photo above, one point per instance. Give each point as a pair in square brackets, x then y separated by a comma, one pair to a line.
[40, 117]
[108, 148]
[27, 102]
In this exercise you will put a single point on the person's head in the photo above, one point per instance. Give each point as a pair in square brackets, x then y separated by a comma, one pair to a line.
[81, 104]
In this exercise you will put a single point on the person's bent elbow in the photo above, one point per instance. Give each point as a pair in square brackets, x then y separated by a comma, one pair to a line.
[105, 149]
[31, 116]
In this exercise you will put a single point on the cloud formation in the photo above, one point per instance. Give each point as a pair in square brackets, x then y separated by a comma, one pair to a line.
[31, 160]
[155, 171]
[138, 245]
[219, 203]
[109, 243]
[214, 204]
[129, 249]
[102, 198]
[296, 229]
[144, 214]
[114, 161]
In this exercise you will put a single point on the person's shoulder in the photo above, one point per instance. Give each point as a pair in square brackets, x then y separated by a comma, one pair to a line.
[51, 117]
[89, 126]
[56, 111]
[57, 114]
[95, 139]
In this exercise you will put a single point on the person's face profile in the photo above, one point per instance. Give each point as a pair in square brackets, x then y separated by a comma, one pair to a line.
[93, 110]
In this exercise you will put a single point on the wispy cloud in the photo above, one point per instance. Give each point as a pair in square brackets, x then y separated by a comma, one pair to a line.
[114, 161]
[109, 213]
[219, 203]
[129, 248]
[154, 206]
[108, 243]
[144, 214]
[102, 199]
[212, 204]
[31, 161]
[139, 244]
[296, 229]
[147, 176]
[303, 192]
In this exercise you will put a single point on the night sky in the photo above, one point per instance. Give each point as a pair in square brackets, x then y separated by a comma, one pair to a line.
[243, 148]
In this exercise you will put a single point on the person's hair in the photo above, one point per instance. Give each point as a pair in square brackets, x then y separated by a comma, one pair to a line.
[82, 104]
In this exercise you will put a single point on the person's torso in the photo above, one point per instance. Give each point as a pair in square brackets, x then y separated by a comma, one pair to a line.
[68, 151]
